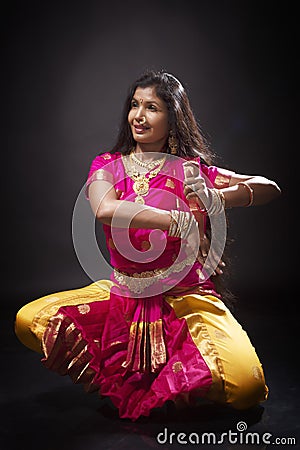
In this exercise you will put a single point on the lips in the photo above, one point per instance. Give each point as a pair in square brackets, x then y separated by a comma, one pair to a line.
[140, 129]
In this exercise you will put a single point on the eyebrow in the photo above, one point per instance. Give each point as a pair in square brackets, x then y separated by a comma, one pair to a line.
[147, 101]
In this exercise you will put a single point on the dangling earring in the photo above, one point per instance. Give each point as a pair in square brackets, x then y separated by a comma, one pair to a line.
[173, 143]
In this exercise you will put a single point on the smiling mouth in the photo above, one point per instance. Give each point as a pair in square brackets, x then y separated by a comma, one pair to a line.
[140, 128]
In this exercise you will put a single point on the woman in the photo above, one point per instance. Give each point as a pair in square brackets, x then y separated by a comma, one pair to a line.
[158, 330]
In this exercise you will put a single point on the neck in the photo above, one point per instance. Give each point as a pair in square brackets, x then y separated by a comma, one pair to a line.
[149, 151]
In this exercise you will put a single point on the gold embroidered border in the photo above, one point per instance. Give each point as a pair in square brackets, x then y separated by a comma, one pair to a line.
[223, 178]
[137, 282]
[204, 343]
[51, 303]
[101, 175]
[146, 348]
[76, 363]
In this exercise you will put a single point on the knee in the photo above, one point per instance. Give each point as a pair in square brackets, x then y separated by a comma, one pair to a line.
[249, 392]
[23, 322]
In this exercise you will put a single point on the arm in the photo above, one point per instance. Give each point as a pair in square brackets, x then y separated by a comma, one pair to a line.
[243, 190]
[263, 190]
[107, 207]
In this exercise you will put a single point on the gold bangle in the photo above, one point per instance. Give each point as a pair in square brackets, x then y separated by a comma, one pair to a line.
[181, 223]
[173, 227]
[222, 197]
[250, 191]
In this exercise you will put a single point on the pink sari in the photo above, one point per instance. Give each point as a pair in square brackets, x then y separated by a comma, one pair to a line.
[132, 347]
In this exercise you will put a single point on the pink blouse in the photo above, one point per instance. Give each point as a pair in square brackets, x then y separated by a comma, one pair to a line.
[134, 251]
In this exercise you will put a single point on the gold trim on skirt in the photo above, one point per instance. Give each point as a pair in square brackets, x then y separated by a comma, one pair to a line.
[237, 374]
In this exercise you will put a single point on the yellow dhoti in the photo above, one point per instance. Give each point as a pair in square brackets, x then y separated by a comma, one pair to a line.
[237, 375]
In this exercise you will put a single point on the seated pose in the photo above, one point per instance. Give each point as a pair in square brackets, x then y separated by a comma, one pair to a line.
[159, 329]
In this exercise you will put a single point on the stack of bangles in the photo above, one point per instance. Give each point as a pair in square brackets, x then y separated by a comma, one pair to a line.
[217, 203]
[181, 223]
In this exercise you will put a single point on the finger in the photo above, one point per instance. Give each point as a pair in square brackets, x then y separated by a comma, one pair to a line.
[210, 262]
[209, 268]
[187, 190]
[191, 168]
[217, 264]
[191, 196]
[220, 267]
[204, 242]
[194, 183]
[204, 253]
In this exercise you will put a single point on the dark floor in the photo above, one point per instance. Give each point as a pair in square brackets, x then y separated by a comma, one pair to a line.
[41, 410]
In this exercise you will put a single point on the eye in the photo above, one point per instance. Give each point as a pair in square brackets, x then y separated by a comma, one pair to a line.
[134, 104]
[152, 108]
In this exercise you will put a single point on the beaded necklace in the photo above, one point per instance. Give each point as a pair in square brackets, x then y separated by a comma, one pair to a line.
[146, 165]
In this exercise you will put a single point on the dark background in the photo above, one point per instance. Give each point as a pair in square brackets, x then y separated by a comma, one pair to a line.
[66, 70]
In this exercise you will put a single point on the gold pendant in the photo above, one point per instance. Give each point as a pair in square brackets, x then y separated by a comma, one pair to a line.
[141, 186]
[139, 200]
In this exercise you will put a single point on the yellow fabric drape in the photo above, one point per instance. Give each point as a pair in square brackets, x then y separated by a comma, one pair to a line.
[32, 319]
[237, 374]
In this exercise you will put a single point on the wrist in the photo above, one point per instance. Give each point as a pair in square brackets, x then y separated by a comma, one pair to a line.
[249, 192]
[181, 223]
[216, 204]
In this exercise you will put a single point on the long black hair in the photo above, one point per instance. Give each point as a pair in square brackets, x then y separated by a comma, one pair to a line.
[190, 139]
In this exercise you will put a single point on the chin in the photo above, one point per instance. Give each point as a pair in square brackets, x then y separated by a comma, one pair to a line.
[142, 139]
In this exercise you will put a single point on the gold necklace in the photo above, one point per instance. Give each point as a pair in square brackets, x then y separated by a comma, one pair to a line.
[141, 181]
[146, 165]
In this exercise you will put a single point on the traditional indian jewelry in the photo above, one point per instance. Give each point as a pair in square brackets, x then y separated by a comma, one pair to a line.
[173, 227]
[216, 203]
[214, 200]
[146, 165]
[138, 282]
[181, 223]
[173, 143]
[142, 121]
[250, 191]
[215, 206]
[141, 181]
[222, 196]
[197, 211]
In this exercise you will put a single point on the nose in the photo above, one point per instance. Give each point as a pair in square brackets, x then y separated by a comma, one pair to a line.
[140, 114]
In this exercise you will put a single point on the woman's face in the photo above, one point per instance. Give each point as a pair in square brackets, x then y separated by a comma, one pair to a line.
[148, 118]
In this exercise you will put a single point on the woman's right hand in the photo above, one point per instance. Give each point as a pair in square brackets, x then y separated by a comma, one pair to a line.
[204, 249]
